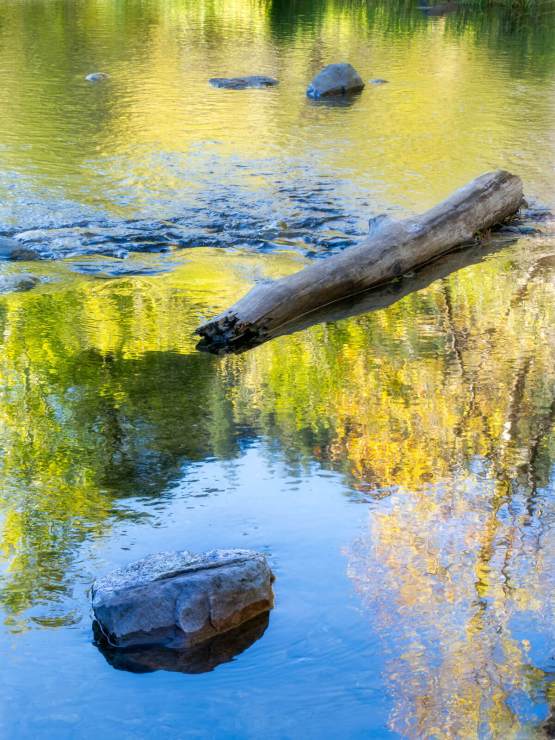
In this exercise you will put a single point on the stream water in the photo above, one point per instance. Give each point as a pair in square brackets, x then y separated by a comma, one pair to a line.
[396, 466]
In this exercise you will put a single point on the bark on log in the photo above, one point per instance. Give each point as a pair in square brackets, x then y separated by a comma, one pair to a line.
[376, 299]
[396, 248]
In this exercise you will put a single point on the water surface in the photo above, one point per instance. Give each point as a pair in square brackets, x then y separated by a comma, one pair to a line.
[397, 467]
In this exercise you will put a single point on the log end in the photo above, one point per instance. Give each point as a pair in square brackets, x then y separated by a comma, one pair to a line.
[226, 334]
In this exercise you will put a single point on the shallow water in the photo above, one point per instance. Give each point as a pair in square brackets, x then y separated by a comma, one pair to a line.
[396, 466]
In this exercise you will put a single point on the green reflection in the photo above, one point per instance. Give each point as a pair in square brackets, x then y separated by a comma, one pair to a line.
[439, 410]
[444, 402]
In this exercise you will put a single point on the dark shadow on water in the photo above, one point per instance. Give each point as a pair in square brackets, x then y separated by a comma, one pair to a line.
[200, 659]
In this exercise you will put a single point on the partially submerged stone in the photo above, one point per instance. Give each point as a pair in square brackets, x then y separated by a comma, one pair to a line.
[13, 249]
[198, 659]
[97, 76]
[17, 282]
[241, 83]
[8, 246]
[335, 79]
[24, 254]
[179, 599]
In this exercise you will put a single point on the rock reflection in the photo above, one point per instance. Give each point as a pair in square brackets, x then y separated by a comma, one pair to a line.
[200, 659]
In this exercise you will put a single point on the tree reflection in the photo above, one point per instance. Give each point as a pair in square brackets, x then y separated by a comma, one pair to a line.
[439, 409]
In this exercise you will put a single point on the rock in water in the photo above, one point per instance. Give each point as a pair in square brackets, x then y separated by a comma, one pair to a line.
[241, 83]
[335, 79]
[12, 249]
[8, 246]
[198, 659]
[179, 599]
[24, 254]
[17, 283]
[97, 76]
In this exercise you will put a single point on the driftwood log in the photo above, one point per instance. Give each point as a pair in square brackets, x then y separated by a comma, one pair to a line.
[391, 251]
[385, 295]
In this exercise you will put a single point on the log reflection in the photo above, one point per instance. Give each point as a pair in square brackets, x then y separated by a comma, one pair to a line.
[371, 300]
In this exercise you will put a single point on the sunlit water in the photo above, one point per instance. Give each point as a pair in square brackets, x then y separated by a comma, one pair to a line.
[396, 467]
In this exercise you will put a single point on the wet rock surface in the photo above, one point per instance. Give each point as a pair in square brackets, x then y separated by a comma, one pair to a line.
[198, 659]
[8, 246]
[242, 83]
[179, 600]
[18, 282]
[24, 254]
[97, 76]
[335, 79]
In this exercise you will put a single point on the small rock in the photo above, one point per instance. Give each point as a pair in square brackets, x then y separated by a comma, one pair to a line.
[179, 599]
[17, 283]
[379, 81]
[97, 76]
[241, 83]
[335, 79]
[7, 246]
[24, 254]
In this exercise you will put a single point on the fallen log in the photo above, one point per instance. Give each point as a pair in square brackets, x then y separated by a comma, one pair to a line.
[390, 251]
[382, 296]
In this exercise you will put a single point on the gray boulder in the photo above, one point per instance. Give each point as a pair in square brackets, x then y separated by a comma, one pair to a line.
[241, 83]
[335, 79]
[179, 599]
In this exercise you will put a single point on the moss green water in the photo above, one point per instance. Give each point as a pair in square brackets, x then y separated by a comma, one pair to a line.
[396, 466]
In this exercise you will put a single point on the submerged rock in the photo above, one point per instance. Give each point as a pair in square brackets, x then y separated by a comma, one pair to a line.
[179, 599]
[13, 249]
[198, 659]
[17, 283]
[241, 83]
[8, 246]
[24, 254]
[440, 9]
[97, 76]
[335, 79]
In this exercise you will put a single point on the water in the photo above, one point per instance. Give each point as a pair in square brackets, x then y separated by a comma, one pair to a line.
[396, 466]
